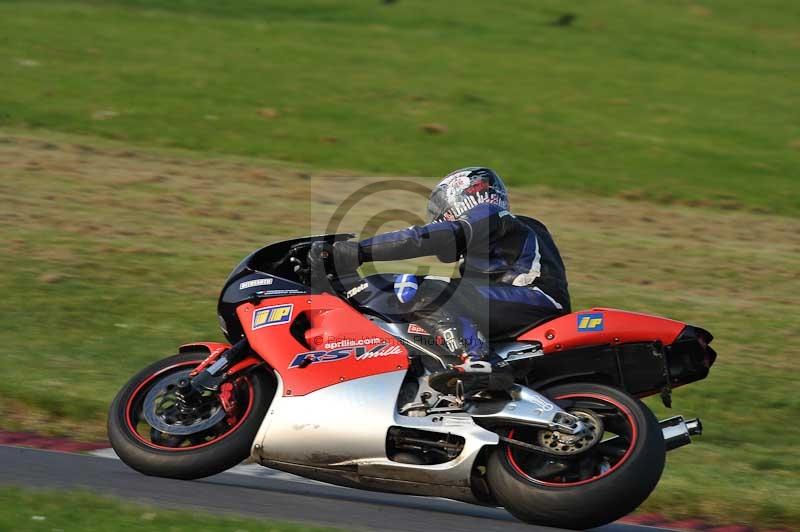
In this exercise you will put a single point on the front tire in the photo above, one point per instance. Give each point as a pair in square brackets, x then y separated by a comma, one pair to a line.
[223, 439]
[582, 490]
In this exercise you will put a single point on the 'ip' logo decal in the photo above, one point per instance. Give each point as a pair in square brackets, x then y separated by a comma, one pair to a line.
[267, 316]
[590, 322]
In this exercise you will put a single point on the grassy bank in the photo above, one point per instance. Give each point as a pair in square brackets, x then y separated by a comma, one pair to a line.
[687, 101]
[45, 511]
[112, 256]
[658, 140]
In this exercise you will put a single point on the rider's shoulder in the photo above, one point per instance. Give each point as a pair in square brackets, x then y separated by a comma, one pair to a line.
[532, 223]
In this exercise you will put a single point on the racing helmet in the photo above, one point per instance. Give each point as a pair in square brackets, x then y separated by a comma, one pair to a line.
[463, 189]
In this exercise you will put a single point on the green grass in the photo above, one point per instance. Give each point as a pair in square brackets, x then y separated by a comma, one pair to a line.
[113, 256]
[46, 511]
[138, 149]
[670, 101]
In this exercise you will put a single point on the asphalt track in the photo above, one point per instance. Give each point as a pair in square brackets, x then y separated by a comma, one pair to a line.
[252, 490]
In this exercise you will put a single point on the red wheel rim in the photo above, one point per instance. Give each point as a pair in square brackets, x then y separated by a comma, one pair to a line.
[136, 394]
[631, 445]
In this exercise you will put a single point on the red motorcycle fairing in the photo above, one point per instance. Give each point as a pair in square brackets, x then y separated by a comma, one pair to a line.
[315, 341]
[602, 326]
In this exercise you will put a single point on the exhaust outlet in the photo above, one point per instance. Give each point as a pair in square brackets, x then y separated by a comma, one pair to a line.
[678, 432]
[694, 426]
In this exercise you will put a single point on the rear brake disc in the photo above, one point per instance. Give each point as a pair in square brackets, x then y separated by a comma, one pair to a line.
[569, 444]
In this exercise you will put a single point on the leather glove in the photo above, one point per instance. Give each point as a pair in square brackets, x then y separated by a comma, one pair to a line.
[318, 258]
[346, 257]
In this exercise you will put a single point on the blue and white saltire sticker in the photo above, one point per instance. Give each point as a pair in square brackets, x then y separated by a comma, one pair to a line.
[405, 287]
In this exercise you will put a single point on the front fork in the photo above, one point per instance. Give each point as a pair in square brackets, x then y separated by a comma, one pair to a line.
[213, 373]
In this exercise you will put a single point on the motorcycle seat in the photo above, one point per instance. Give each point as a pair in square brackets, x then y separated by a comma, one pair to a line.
[513, 334]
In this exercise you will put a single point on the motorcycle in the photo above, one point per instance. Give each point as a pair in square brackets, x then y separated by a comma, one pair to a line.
[332, 385]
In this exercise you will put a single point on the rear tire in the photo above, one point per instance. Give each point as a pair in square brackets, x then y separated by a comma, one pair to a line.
[596, 500]
[186, 463]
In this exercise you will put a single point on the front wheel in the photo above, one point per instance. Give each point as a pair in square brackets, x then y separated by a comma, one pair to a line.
[585, 481]
[157, 434]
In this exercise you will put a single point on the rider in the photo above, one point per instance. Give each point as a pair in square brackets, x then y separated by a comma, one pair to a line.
[512, 275]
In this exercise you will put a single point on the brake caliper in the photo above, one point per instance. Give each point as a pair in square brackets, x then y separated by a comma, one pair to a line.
[228, 402]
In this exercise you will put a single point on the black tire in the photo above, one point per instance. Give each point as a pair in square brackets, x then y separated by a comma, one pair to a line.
[596, 502]
[188, 464]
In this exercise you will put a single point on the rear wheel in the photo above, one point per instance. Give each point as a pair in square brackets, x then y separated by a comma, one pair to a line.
[156, 433]
[585, 481]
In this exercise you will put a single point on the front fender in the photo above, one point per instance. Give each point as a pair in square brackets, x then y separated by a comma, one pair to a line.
[208, 347]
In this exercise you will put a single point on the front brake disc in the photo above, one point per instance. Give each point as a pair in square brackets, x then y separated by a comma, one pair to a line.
[162, 409]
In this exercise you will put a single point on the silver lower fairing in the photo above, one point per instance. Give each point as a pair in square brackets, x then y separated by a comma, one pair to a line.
[335, 426]
[338, 435]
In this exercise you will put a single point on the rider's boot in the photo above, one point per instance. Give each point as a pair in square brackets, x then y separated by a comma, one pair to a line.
[473, 363]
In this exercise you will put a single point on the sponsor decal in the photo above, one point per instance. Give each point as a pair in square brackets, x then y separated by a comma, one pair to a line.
[287, 292]
[590, 322]
[450, 339]
[348, 342]
[383, 350]
[413, 328]
[255, 282]
[268, 316]
[303, 360]
[356, 290]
